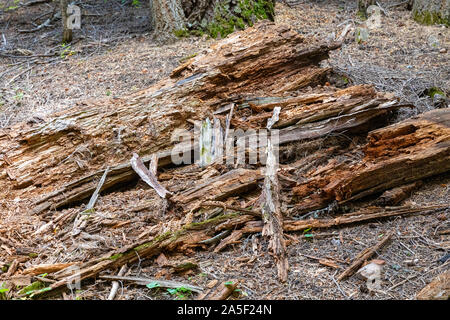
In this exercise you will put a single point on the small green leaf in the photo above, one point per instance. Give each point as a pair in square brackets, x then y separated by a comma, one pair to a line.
[4, 290]
[172, 291]
[153, 285]
[309, 235]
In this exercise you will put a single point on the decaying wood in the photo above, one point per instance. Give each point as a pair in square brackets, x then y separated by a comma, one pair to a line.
[216, 238]
[437, 289]
[271, 214]
[395, 155]
[231, 183]
[46, 268]
[364, 256]
[189, 235]
[219, 204]
[232, 238]
[326, 262]
[395, 196]
[221, 291]
[266, 77]
[259, 68]
[138, 166]
[355, 217]
[194, 233]
[12, 268]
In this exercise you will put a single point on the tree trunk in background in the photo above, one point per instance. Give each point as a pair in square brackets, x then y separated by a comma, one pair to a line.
[432, 11]
[363, 5]
[67, 33]
[166, 15]
[215, 17]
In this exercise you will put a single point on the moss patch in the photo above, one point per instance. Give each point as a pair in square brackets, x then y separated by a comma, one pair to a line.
[245, 13]
[431, 92]
[429, 18]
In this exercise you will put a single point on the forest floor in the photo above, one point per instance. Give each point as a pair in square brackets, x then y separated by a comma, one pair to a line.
[115, 54]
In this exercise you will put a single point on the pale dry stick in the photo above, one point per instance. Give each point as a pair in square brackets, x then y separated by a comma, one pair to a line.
[115, 284]
[338, 286]
[16, 76]
[228, 122]
[80, 223]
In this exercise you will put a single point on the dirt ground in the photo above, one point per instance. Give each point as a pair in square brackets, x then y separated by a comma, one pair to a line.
[115, 54]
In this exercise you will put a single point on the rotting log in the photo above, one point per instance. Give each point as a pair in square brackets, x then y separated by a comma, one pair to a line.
[187, 236]
[56, 162]
[231, 183]
[62, 156]
[395, 155]
[353, 218]
[396, 195]
[437, 289]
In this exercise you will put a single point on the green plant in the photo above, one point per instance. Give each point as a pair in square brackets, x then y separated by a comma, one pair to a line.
[3, 291]
[65, 52]
[181, 33]
[19, 95]
[181, 293]
[307, 234]
[431, 92]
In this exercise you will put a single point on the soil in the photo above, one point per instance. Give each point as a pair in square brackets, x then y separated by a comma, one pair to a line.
[115, 53]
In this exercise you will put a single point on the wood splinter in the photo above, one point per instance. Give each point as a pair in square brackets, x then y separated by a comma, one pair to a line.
[148, 176]
[271, 212]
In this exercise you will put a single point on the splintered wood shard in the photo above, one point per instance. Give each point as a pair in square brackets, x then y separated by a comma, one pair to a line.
[271, 213]
[138, 166]
[274, 119]
[94, 197]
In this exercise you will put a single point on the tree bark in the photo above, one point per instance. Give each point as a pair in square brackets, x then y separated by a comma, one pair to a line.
[67, 33]
[166, 15]
[363, 5]
[218, 18]
[431, 11]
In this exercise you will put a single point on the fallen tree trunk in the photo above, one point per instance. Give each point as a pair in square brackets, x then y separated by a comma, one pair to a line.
[72, 147]
[395, 155]
[58, 163]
